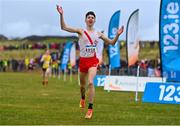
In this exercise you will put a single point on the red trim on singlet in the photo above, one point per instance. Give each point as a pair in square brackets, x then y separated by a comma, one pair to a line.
[90, 40]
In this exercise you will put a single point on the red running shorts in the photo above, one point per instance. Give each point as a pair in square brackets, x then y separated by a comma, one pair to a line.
[86, 63]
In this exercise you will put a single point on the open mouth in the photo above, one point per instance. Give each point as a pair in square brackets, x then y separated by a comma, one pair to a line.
[90, 21]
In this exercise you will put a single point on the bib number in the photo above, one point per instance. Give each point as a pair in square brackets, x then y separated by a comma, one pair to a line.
[90, 49]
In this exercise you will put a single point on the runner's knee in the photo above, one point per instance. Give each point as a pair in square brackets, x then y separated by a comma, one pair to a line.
[91, 85]
[82, 82]
[82, 86]
[90, 81]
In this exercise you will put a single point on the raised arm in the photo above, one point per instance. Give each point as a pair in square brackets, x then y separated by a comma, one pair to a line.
[63, 24]
[112, 41]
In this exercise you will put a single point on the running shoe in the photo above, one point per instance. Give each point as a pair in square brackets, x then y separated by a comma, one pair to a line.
[82, 103]
[89, 114]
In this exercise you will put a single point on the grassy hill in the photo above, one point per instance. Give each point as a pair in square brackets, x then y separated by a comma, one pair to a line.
[146, 51]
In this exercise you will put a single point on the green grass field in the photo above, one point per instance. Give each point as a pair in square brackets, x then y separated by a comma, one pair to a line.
[23, 100]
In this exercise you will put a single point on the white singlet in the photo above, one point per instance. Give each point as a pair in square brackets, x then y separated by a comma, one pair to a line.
[86, 48]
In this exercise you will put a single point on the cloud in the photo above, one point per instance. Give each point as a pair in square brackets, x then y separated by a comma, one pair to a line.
[24, 28]
[15, 29]
[150, 33]
[34, 17]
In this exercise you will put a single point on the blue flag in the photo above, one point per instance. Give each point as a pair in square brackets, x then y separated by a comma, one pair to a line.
[114, 51]
[66, 55]
[170, 39]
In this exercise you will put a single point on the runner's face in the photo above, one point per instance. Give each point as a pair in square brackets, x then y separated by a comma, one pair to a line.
[90, 20]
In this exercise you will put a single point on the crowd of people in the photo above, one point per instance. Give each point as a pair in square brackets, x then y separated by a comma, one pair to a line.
[150, 68]
[35, 45]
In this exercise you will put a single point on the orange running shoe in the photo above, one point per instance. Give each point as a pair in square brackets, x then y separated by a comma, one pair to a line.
[89, 114]
[82, 103]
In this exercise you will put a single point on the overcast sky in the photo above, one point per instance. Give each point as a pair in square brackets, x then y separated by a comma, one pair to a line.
[21, 18]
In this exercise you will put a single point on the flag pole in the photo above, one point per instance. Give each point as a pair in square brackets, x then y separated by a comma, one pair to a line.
[137, 83]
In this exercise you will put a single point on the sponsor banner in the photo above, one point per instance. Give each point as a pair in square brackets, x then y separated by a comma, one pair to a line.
[173, 76]
[166, 93]
[99, 80]
[170, 38]
[73, 55]
[66, 54]
[114, 51]
[132, 38]
[128, 83]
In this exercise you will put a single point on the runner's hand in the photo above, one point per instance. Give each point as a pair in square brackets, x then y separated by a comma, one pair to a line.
[120, 30]
[59, 9]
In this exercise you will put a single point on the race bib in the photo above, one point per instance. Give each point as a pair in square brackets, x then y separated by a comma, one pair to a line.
[90, 48]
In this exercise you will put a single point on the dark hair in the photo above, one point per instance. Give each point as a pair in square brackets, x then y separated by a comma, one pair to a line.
[90, 13]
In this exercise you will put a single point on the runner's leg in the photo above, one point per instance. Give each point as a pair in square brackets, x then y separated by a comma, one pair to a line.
[91, 74]
[83, 84]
